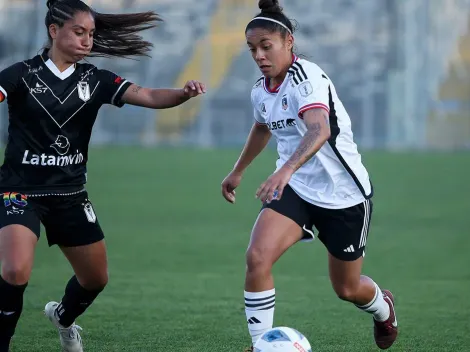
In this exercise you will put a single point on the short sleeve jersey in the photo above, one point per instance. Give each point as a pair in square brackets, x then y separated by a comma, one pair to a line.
[51, 115]
[335, 176]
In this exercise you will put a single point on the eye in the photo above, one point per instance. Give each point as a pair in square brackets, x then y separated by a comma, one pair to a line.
[267, 47]
[79, 33]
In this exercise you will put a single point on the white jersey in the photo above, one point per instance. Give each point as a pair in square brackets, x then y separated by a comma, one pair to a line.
[334, 177]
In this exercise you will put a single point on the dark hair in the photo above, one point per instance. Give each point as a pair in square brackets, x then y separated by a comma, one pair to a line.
[271, 9]
[115, 34]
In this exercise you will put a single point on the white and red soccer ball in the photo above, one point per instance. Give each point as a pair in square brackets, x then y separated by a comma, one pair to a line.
[282, 339]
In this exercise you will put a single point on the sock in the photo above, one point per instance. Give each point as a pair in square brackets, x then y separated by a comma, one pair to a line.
[74, 303]
[377, 307]
[11, 306]
[259, 309]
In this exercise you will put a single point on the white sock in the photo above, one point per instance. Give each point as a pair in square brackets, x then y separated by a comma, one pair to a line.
[259, 309]
[377, 307]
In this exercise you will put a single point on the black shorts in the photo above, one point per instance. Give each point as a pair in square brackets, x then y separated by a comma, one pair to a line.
[343, 231]
[69, 220]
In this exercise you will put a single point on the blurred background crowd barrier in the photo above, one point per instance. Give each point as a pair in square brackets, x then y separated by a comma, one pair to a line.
[401, 67]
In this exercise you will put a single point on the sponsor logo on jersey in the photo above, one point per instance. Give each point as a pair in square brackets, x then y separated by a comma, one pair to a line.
[61, 146]
[291, 122]
[52, 160]
[281, 124]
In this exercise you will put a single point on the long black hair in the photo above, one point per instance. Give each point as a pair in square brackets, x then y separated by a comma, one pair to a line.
[115, 34]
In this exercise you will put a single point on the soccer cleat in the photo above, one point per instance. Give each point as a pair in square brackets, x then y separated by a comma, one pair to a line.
[385, 333]
[69, 337]
[250, 349]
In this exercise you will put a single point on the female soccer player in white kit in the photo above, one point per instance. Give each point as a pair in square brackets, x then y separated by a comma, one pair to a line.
[319, 179]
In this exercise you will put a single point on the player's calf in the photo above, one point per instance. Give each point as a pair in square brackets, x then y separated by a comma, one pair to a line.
[75, 301]
[260, 297]
[11, 306]
[63, 315]
[362, 291]
[17, 245]
[259, 309]
[377, 305]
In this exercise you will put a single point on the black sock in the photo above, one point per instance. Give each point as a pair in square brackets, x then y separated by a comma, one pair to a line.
[11, 306]
[75, 301]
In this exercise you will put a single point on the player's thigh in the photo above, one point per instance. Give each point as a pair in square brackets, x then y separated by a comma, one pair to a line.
[71, 221]
[344, 232]
[19, 233]
[72, 224]
[279, 225]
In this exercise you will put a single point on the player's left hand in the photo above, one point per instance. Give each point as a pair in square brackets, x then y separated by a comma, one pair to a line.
[194, 88]
[273, 187]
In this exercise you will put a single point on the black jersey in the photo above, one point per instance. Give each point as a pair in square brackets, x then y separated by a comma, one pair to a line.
[51, 115]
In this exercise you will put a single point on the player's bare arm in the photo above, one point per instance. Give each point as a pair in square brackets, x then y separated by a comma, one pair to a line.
[257, 140]
[318, 132]
[162, 98]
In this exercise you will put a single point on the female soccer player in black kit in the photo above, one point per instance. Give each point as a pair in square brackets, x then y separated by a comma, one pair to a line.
[53, 102]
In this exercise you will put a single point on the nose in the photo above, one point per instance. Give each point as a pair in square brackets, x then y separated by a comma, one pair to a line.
[87, 42]
[259, 56]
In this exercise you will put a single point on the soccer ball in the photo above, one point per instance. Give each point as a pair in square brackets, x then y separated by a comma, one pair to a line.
[282, 339]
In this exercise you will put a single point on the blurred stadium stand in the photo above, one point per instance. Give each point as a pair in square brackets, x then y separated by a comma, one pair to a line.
[402, 68]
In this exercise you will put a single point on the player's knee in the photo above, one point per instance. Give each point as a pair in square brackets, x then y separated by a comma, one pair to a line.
[257, 260]
[95, 282]
[346, 292]
[16, 273]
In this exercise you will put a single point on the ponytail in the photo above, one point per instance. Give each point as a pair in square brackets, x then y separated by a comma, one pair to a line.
[116, 35]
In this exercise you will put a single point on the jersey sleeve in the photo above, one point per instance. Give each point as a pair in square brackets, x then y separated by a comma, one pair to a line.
[10, 80]
[257, 116]
[112, 87]
[257, 105]
[312, 88]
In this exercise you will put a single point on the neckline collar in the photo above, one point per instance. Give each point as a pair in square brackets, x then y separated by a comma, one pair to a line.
[53, 68]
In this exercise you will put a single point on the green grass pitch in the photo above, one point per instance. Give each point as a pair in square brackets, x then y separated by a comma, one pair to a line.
[176, 256]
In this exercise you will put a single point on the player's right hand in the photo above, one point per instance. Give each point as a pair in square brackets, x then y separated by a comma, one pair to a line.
[229, 184]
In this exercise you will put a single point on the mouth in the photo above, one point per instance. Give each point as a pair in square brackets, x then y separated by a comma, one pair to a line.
[264, 68]
[83, 53]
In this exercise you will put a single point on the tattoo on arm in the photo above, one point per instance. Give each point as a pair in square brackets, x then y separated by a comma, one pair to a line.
[304, 151]
[136, 89]
[306, 148]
